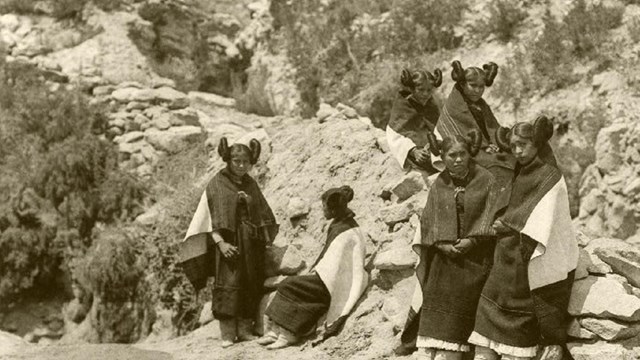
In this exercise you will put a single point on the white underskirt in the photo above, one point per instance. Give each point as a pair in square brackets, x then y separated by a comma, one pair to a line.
[502, 349]
[427, 342]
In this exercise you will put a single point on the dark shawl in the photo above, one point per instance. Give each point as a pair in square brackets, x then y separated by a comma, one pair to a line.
[530, 185]
[413, 120]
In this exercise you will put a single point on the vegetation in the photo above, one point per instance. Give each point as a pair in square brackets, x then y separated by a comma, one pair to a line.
[59, 9]
[504, 18]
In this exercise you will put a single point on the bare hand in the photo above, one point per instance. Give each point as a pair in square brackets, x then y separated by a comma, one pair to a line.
[449, 250]
[228, 251]
[244, 196]
[492, 149]
[420, 155]
[464, 245]
[500, 227]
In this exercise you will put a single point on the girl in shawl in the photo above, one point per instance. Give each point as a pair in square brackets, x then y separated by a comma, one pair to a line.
[414, 115]
[465, 110]
[235, 214]
[333, 287]
[455, 248]
[524, 301]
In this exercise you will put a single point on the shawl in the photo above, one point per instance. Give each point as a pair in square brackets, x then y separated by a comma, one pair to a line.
[217, 211]
[409, 124]
[539, 208]
[341, 269]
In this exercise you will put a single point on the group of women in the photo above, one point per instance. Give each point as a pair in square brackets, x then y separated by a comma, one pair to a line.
[496, 245]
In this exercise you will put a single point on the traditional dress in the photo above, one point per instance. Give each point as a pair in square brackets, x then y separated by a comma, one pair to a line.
[337, 281]
[460, 115]
[408, 126]
[524, 301]
[238, 285]
[455, 209]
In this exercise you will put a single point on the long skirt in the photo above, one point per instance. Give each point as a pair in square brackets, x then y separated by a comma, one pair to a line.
[299, 303]
[506, 309]
[239, 282]
[451, 292]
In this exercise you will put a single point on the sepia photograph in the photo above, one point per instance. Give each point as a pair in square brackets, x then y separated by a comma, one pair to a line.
[319, 179]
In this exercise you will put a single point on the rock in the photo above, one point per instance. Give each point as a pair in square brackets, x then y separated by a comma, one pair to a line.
[381, 142]
[597, 266]
[587, 300]
[129, 94]
[114, 131]
[161, 122]
[325, 111]
[103, 90]
[348, 111]
[396, 259]
[297, 207]
[129, 137]
[162, 82]
[610, 330]
[624, 259]
[620, 217]
[155, 111]
[273, 281]
[599, 351]
[396, 213]
[206, 315]
[29, 337]
[609, 147]
[584, 261]
[184, 117]
[10, 22]
[207, 101]
[608, 81]
[153, 215]
[632, 188]
[174, 98]
[134, 105]
[410, 184]
[130, 84]
[283, 261]
[44, 341]
[174, 139]
[576, 330]
[118, 122]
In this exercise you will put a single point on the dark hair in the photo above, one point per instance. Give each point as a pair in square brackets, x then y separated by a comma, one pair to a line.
[461, 75]
[472, 143]
[411, 79]
[337, 199]
[539, 133]
[253, 150]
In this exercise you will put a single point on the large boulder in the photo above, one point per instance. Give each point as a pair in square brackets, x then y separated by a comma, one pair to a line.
[610, 330]
[599, 351]
[623, 258]
[285, 260]
[587, 299]
[174, 139]
[396, 259]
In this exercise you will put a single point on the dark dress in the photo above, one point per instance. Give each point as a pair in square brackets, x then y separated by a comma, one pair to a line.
[456, 209]
[510, 312]
[414, 121]
[301, 300]
[460, 115]
[238, 285]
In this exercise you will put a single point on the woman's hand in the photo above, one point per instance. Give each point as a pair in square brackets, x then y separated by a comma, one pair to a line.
[228, 251]
[244, 196]
[449, 249]
[420, 155]
[464, 245]
[500, 227]
[492, 149]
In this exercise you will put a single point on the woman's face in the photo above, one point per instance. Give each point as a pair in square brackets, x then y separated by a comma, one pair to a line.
[523, 149]
[456, 160]
[474, 88]
[423, 91]
[328, 214]
[240, 164]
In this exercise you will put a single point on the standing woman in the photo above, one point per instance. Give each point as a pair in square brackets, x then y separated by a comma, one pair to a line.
[525, 299]
[413, 116]
[233, 211]
[456, 249]
[466, 110]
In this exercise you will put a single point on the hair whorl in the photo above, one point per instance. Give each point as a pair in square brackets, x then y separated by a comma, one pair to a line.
[475, 141]
[437, 76]
[406, 78]
[542, 130]
[503, 135]
[223, 149]
[347, 193]
[457, 74]
[491, 71]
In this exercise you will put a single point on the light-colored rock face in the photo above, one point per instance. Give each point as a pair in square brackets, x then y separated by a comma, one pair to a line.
[600, 350]
[587, 299]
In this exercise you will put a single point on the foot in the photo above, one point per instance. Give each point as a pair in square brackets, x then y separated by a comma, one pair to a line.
[268, 338]
[226, 343]
[279, 344]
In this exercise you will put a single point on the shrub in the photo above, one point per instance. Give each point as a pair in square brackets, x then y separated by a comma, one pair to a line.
[504, 18]
[633, 27]
[587, 27]
[59, 9]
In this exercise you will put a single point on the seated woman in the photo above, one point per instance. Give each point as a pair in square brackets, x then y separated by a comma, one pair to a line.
[333, 287]
[234, 215]
[414, 115]
[525, 299]
[456, 249]
[465, 110]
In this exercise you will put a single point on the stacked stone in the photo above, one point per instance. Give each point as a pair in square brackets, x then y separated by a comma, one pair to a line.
[605, 302]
